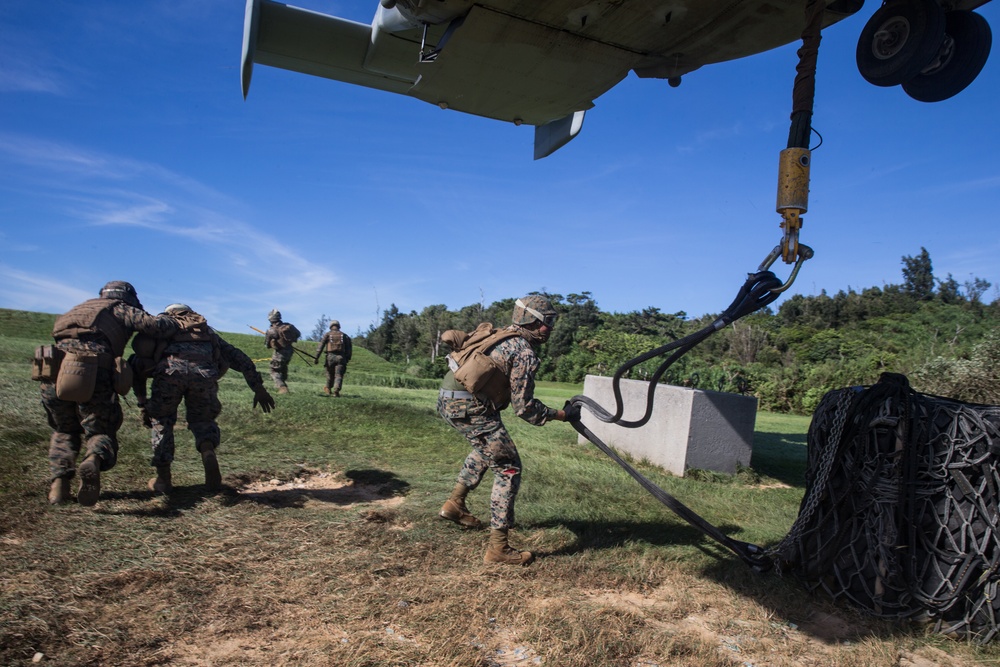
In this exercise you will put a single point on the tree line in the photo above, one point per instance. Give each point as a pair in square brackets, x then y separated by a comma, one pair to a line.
[938, 332]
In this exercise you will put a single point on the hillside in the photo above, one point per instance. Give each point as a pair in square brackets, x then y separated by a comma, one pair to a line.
[324, 547]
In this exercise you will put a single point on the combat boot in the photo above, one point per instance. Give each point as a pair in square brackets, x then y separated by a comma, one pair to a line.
[336, 393]
[90, 480]
[162, 482]
[59, 491]
[326, 390]
[282, 390]
[499, 551]
[213, 477]
[454, 508]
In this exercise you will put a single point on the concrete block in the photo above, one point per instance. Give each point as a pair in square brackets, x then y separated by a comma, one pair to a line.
[689, 428]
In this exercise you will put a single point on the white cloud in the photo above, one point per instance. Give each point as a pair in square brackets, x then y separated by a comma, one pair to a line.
[22, 290]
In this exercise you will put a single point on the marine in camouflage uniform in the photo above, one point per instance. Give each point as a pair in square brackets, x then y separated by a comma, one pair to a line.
[283, 351]
[478, 419]
[339, 349]
[188, 369]
[99, 327]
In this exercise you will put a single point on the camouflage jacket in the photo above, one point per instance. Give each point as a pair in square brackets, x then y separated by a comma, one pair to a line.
[200, 358]
[519, 362]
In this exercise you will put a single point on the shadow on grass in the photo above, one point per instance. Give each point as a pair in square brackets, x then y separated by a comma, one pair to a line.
[781, 456]
[814, 614]
[365, 486]
[180, 499]
[593, 535]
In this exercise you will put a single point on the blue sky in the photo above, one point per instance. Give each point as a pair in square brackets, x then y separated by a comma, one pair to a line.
[128, 152]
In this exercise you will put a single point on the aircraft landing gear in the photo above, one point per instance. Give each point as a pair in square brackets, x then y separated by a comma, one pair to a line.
[933, 54]
[962, 55]
[899, 40]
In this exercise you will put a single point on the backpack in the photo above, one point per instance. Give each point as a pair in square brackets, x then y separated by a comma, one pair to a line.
[288, 333]
[472, 365]
[335, 343]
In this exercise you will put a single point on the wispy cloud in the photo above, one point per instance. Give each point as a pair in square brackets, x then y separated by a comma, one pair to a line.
[29, 66]
[209, 228]
[22, 290]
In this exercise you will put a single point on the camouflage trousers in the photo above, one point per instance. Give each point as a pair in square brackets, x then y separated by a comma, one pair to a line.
[279, 366]
[492, 449]
[335, 365]
[92, 425]
[201, 404]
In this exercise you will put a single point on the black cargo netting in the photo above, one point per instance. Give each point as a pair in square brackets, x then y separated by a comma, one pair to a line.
[901, 504]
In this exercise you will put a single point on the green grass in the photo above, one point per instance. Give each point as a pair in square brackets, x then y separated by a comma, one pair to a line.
[322, 575]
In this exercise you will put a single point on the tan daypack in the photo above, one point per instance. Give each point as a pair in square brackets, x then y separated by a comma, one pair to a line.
[77, 377]
[472, 365]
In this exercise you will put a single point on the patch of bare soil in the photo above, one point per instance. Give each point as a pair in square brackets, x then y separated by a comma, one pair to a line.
[753, 642]
[320, 490]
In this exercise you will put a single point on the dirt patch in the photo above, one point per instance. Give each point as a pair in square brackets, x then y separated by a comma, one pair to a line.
[317, 489]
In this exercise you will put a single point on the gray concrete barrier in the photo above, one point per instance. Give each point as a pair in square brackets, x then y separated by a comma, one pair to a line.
[689, 428]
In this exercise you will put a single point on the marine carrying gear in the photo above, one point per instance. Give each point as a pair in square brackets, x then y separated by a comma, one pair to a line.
[472, 366]
[335, 342]
[334, 324]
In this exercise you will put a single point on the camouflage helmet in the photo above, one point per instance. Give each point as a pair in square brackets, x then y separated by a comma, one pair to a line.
[534, 308]
[177, 309]
[334, 324]
[121, 291]
[274, 316]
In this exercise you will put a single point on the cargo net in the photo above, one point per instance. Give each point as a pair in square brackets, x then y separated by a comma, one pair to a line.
[900, 511]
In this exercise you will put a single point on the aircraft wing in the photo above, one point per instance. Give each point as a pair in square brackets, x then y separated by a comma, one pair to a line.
[537, 62]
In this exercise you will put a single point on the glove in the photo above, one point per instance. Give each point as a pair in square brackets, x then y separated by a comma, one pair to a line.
[316, 360]
[264, 399]
[572, 411]
[146, 421]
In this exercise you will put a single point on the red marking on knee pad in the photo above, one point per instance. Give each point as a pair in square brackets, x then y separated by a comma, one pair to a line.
[511, 471]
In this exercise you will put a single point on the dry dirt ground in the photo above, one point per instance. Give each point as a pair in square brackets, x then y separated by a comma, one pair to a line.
[815, 642]
[291, 617]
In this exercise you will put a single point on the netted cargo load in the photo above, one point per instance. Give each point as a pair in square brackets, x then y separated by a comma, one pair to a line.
[900, 514]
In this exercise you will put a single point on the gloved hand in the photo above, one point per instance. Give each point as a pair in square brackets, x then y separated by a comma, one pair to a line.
[264, 399]
[146, 421]
[572, 411]
[316, 360]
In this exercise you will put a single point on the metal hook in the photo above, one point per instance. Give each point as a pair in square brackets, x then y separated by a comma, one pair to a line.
[804, 252]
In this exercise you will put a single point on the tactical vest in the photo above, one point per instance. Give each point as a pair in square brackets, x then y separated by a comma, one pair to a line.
[94, 316]
[472, 365]
[192, 327]
[335, 342]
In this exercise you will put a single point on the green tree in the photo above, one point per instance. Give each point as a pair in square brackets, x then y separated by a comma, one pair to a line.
[918, 276]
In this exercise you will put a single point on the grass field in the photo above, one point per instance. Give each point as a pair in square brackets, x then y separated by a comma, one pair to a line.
[324, 547]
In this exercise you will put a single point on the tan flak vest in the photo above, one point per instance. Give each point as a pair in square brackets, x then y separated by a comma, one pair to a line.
[192, 328]
[335, 342]
[94, 316]
[472, 365]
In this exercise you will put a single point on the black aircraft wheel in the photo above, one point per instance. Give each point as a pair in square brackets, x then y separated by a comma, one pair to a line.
[965, 49]
[899, 40]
